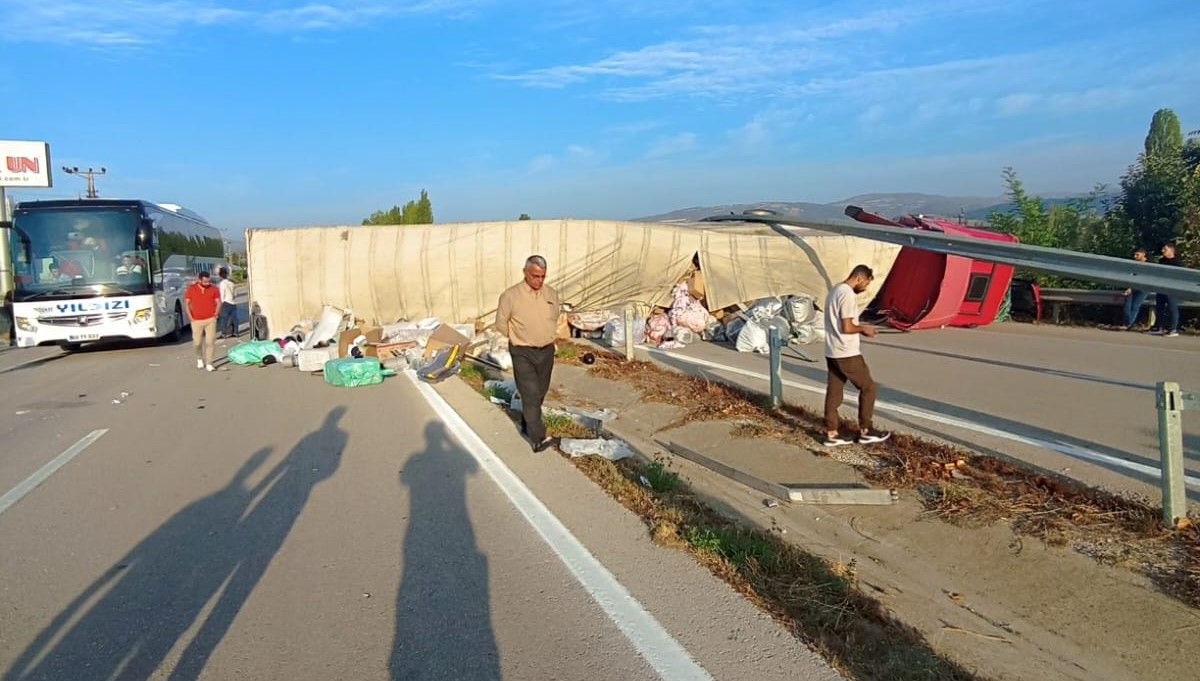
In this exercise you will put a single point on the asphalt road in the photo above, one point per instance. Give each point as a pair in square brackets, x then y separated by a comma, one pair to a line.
[1078, 401]
[255, 523]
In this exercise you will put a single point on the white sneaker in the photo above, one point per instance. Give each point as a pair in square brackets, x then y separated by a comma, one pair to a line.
[210, 368]
[199, 364]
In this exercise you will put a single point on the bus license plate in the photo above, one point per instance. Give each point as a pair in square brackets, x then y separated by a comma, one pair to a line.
[83, 336]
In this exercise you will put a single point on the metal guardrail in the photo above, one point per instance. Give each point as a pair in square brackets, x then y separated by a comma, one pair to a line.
[1097, 297]
[1087, 266]
[1171, 402]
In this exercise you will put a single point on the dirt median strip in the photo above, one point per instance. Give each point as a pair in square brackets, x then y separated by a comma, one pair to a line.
[960, 487]
[985, 504]
[819, 602]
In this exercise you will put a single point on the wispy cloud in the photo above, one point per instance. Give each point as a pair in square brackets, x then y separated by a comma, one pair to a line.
[673, 145]
[718, 60]
[541, 164]
[124, 23]
[766, 127]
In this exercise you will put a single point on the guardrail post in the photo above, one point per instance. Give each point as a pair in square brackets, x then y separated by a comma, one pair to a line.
[628, 333]
[775, 343]
[1169, 401]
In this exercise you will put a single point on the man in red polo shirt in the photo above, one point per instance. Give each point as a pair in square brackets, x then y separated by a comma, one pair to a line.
[203, 300]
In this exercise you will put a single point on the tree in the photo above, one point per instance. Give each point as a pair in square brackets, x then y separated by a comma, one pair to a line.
[1028, 219]
[524, 216]
[1076, 225]
[1166, 135]
[1191, 151]
[419, 212]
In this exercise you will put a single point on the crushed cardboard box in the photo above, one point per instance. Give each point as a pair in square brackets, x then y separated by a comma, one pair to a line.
[373, 334]
[445, 336]
[386, 351]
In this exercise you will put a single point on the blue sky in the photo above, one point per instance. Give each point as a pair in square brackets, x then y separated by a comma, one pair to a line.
[273, 113]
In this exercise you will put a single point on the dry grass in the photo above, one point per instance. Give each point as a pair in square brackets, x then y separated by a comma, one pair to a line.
[955, 485]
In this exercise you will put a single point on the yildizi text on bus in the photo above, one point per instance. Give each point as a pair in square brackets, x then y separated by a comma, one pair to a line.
[105, 269]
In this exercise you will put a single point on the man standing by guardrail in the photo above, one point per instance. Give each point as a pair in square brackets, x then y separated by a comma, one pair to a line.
[1134, 297]
[845, 362]
[1166, 308]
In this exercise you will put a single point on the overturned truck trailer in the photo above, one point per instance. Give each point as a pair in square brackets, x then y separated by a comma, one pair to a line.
[457, 271]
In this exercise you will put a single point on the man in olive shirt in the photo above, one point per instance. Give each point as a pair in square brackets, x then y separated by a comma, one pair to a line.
[528, 315]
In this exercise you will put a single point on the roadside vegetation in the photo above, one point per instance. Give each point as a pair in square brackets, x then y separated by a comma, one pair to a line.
[957, 486]
[818, 601]
[1159, 201]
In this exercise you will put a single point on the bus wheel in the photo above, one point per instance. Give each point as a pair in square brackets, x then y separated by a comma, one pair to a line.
[173, 337]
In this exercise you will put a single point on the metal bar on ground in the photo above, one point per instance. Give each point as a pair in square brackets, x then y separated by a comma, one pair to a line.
[815, 494]
[1170, 403]
[758, 484]
[1121, 272]
[858, 496]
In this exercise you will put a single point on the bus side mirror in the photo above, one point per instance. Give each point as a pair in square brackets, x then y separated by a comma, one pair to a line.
[143, 237]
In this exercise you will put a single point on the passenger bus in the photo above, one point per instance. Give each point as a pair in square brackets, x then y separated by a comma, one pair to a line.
[105, 269]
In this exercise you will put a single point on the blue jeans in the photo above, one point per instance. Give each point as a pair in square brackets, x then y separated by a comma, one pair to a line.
[227, 321]
[1167, 311]
[1133, 306]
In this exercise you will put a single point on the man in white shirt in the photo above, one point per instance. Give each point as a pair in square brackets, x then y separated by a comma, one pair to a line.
[845, 361]
[227, 323]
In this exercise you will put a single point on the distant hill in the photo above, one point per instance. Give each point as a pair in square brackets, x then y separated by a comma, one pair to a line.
[817, 212]
[891, 205]
[888, 205]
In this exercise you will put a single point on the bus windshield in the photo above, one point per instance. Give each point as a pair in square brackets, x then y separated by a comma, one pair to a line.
[57, 251]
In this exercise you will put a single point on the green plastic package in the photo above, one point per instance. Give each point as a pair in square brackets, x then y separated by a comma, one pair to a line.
[252, 352]
[349, 372]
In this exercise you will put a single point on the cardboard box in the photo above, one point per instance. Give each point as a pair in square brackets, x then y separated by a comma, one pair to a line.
[346, 338]
[314, 359]
[444, 336]
[386, 351]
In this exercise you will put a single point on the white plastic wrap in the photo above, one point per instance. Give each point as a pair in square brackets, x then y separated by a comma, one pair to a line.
[614, 332]
[752, 338]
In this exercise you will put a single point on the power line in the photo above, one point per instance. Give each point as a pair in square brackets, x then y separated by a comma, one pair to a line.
[91, 178]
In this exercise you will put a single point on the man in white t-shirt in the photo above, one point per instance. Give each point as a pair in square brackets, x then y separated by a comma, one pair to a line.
[227, 322]
[845, 360]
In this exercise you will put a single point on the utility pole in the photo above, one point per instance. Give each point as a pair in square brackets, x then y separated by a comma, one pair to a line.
[91, 178]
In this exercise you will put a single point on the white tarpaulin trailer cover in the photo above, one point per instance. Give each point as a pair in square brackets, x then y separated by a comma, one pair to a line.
[457, 271]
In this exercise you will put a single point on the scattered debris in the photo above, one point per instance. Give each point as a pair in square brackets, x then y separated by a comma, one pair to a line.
[613, 450]
[843, 495]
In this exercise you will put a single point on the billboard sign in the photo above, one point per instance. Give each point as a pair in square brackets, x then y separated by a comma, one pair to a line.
[25, 164]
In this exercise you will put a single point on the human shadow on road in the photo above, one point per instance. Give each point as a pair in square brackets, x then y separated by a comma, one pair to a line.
[215, 550]
[443, 616]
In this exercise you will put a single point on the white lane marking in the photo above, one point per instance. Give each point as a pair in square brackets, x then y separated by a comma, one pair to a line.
[15, 494]
[662, 652]
[1060, 447]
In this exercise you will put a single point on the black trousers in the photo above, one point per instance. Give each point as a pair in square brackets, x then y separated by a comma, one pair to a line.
[531, 368]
